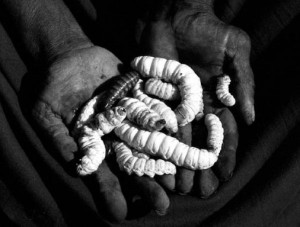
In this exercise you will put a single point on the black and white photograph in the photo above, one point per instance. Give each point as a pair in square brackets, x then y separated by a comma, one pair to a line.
[150, 113]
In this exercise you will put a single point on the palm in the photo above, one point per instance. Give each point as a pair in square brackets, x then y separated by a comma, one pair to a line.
[72, 80]
[204, 43]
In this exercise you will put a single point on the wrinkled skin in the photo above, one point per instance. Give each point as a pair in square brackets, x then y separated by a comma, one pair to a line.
[195, 36]
[69, 82]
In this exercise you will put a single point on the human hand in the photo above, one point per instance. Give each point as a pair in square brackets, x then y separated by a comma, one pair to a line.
[202, 41]
[189, 31]
[69, 82]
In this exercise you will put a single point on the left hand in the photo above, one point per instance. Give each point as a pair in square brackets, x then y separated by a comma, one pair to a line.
[199, 39]
[211, 48]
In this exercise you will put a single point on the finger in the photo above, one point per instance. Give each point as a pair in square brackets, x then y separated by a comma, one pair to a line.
[153, 193]
[184, 180]
[227, 158]
[108, 195]
[184, 177]
[157, 40]
[206, 183]
[167, 181]
[55, 132]
[243, 78]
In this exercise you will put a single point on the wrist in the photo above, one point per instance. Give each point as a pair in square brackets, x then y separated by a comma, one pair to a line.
[47, 41]
[61, 46]
[45, 29]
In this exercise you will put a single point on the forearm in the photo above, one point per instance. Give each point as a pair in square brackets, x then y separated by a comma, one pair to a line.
[46, 28]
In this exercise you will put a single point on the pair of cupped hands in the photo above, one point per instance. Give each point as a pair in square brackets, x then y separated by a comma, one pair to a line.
[180, 32]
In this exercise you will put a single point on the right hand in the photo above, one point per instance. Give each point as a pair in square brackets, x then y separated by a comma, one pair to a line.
[191, 32]
[66, 85]
[202, 41]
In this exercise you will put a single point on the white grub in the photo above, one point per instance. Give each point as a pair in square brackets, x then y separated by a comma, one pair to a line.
[90, 142]
[158, 106]
[163, 90]
[86, 114]
[222, 91]
[215, 133]
[139, 163]
[164, 146]
[180, 74]
[138, 112]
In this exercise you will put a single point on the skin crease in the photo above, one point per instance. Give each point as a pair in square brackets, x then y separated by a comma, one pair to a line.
[192, 33]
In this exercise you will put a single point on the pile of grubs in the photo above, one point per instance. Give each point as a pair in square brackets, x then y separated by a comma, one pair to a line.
[145, 108]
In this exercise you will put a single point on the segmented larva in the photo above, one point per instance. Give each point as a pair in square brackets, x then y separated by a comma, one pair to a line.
[164, 146]
[86, 114]
[215, 133]
[90, 142]
[163, 90]
[222, 91]
[138, 164]
[138, 112]
[122, 85]
[180, 74]
[160, 107]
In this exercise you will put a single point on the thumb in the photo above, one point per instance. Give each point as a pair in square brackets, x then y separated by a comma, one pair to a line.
[54, 131]
[243, 79]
